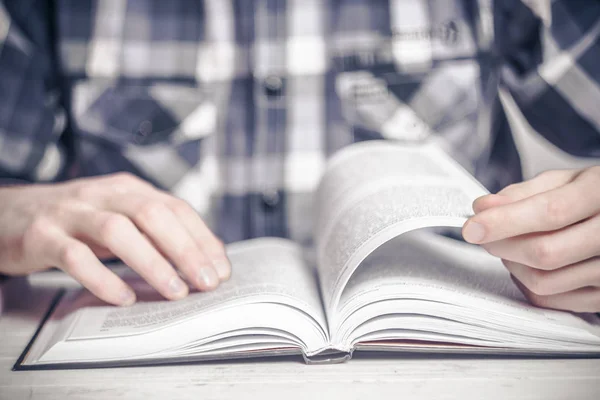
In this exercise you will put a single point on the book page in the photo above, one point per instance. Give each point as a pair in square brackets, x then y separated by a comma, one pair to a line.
[271, 289]
[422, 282]
[271, 268]
[375, 191]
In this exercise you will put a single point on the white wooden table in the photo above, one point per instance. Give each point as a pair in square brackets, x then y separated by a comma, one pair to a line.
[391, 377]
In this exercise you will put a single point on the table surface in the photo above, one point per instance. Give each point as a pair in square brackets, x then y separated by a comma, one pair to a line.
[392, 376]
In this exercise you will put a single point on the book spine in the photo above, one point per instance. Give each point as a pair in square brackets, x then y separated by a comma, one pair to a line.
[328, 356]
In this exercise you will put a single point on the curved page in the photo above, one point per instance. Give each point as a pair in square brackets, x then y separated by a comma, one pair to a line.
[375, 191]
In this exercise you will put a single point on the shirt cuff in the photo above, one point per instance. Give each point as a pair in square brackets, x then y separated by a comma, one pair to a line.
[5, 182]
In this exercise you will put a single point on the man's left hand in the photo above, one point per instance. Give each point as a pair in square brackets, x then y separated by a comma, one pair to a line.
[547, 233]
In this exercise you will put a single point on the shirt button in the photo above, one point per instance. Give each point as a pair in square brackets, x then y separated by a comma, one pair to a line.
[273, 86]
[270, 200]
[145, 128]
[143, 131]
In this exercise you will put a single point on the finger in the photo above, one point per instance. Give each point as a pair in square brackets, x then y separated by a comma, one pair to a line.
[543, 212]
[562, 280]
[551, 250]
[99, 251]
[582, 300]
[200, 233]
[543, 182]
[77, 260]
[118, 234]
[159, 223]
[489, 201]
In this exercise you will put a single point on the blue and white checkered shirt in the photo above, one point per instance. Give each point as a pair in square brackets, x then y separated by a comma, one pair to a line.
[235, 105]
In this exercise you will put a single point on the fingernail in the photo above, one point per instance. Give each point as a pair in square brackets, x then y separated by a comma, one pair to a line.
[223, 268]
[208, 278]
[127, 298]
[473, 232]
[177, 288]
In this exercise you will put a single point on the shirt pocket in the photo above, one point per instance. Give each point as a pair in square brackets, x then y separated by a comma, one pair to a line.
[409, 106]
[144, 115]
[418, 77]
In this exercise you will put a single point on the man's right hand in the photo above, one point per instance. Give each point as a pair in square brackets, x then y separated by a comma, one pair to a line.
[75, 224]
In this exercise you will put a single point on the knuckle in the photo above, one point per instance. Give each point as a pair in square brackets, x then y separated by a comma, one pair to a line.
[556, 211]
[37, 231]
[65, 206]
[539, 283]
[71, 256]
[543, 254]
[112, 226]
[124, 181]
[85, 192]
[180, 207]
[150, 211]
[124, 177]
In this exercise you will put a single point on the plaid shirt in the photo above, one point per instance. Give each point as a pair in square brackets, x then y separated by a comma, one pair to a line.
[235, 105]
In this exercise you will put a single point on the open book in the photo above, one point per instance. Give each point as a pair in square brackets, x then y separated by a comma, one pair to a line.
[374, 280]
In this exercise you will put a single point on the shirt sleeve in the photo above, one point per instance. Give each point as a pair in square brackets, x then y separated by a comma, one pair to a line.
[31, 117]
[550, 53]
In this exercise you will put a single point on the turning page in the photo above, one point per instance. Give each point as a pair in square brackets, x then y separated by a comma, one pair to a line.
[374, 191]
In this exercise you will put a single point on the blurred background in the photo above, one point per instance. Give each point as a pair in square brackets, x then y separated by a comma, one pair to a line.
[537, 154]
